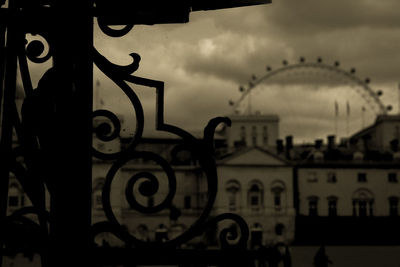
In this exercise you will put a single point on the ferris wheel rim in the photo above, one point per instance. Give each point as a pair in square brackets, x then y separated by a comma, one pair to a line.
[382, 109]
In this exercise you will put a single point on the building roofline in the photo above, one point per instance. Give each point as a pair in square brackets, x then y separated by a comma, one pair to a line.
[350, 165]
[379, 119]
[256, 117]
[240, 152]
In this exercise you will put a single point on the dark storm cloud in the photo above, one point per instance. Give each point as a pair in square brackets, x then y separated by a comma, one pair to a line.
[310, 16]
[361, 34]
[313, 16]
[204, 62]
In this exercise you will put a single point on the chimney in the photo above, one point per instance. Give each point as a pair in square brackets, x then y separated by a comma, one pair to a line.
[366, 140]
[331, 142]
[318, 143]
[279, 146]
[353, 143]
[289, 146]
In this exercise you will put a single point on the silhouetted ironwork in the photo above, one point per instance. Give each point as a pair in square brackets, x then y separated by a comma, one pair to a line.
[54, 141]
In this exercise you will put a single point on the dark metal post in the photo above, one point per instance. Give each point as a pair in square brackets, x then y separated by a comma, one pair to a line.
[70, 154]
[8, 80]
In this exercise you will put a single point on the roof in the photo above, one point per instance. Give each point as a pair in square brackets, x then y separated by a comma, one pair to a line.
[256, 117]
[162, 135]
[379, 119]
[363, 164]
[246, 156]
[364, 131]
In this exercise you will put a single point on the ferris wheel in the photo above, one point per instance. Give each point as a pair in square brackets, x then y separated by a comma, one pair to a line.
[308, 79]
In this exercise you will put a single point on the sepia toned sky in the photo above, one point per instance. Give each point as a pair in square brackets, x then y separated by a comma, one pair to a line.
[204, 62]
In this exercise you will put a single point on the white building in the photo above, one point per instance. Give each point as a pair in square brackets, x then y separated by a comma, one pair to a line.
[379, 135]
[349, 189]
[257, 185]
[253, 130]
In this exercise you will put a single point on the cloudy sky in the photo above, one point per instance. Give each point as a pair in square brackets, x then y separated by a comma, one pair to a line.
[204, 62]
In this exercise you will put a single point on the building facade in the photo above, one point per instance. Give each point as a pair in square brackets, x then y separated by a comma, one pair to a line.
[301, 194]
[257, 185]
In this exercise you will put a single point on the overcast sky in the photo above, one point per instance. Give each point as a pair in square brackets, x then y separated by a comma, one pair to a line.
[204, 62]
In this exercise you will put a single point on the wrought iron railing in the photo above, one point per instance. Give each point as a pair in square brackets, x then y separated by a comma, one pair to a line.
[54, 145]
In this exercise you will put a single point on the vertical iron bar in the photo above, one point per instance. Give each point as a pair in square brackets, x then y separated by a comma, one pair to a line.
[8, 87]
[3, 180]
[71, 156]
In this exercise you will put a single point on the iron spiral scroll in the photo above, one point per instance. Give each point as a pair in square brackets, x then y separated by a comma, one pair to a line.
[35, 140]
[201, 149]
[25, 229]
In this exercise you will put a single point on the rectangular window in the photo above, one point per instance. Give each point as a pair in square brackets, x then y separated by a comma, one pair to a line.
[254, 136]
[331, 177]
[312, 177]
[362, 177]
[265, 136]
[243, 134]
[392, 177]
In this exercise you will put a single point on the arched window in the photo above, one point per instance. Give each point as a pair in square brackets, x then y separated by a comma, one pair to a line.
[363, 203]
[313, 206]
[97, 193]
[277, 188]
[255, 196]
[16, 198]
[332, 205]
[233, 191]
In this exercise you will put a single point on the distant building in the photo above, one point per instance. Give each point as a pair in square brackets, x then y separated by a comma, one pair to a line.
[347, 195]
[316, 194]
[253, 130]
[381, 136]
[257, 185]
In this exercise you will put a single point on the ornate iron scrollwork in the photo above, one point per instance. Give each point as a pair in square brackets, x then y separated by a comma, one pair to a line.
[202, 150]
[33, 130]
[26, 229]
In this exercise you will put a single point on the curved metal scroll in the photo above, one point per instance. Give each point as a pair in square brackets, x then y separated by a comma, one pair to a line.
[201, 149]
[33, 136]
[19, 230]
